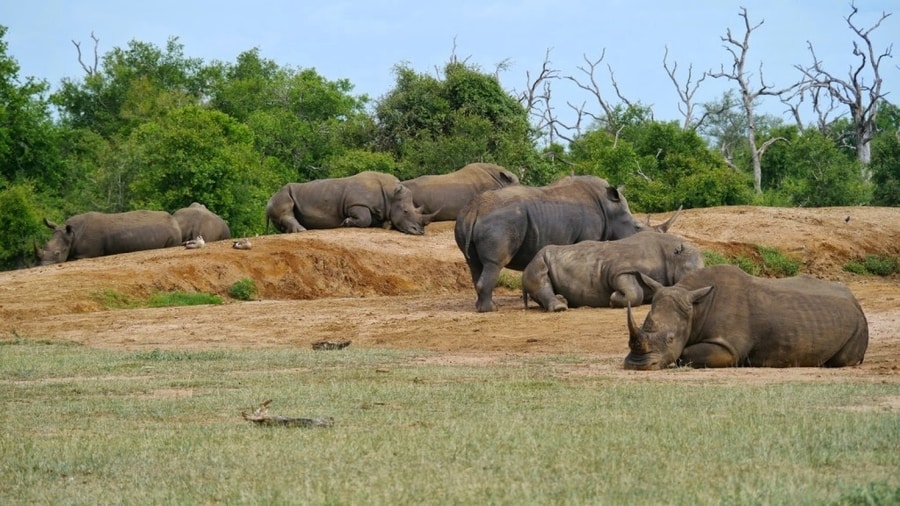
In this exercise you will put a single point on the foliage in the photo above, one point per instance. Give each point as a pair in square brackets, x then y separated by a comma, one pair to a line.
[777, 264]
[178, 298]
[764, 261]
[812, 171]
[662, 166]
[20, 226]
[197, 155]
[878, 265]
[244, 289]
[885, 165]
[434, 126]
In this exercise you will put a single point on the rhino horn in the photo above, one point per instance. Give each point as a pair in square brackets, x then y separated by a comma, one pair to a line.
[38, 252]
[637, 339]
[652, 285]
[50, 224]
[664, 226]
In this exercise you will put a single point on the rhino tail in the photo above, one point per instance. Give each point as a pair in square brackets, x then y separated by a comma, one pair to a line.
[469, 216]
[524, 297]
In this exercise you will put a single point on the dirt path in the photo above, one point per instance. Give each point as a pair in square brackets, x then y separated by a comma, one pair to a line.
[382, 288]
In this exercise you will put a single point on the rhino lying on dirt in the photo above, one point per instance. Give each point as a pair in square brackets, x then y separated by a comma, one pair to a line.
[722, 317]
[605, 273]
[95, 234]
[447, 194]
[196, 220]
[507, 227]
[367, 199]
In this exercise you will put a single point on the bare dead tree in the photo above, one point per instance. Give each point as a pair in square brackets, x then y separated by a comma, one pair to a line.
[608, 118]
[859, 96]
[89, 69]
[739, 74]
[686, 94]
[536, 99]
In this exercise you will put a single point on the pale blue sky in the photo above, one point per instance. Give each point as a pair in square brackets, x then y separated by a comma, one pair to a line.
[363, 41]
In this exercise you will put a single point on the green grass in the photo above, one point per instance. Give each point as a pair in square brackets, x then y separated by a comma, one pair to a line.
[877, 265]
[111, 299]
[510, 279]
[89, 426]
[765, 261]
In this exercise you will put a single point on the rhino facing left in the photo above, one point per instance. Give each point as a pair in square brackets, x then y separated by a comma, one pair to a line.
[94, 234]
[367, 199]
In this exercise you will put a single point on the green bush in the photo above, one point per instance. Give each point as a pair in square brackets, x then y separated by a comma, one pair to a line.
[777, 263]
[878, 265]
[168, 299]
[245, 289]
[20, 226]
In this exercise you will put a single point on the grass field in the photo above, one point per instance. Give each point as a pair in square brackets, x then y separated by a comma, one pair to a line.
[91, 426]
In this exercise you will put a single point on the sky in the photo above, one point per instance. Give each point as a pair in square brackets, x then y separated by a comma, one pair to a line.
[363, 41]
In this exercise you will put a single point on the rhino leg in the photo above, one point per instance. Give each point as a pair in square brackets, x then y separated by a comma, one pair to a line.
[484, 287]
[708, 354]
[626, 289]
[358, 216]
[289, 225]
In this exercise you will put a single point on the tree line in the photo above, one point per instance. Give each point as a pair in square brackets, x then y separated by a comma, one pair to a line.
[147, 127]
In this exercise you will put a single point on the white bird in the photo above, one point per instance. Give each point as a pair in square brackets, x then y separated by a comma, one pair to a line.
[195, 243]
[242, 244]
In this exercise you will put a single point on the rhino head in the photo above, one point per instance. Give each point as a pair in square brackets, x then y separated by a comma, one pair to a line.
[660, 340]
[56, 250]
[403, 213]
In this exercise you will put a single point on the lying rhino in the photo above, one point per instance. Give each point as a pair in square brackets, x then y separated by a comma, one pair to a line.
[507, 227]
[198, 221]
[722, 317]
[95, 234]
[605, 273]
[446, 194]
[367, 199]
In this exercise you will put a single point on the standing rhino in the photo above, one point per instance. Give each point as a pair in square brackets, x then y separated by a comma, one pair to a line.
[446, 194]
[198, 221]
[722, 317]
[605, 273]
[367, 199]
[95, 234]
[507, 227]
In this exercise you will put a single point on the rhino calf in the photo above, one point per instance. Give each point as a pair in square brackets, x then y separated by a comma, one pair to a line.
[606, 273]
[197, 220]
[95, 234]
[367, 199]
[722, 317]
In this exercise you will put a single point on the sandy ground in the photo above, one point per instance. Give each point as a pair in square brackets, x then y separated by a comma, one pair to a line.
[383, 289]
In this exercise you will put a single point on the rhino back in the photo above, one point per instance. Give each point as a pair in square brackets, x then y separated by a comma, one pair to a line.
[323, 203]
[198, 220]
[800, 321]
[448, 194]
[100, 234]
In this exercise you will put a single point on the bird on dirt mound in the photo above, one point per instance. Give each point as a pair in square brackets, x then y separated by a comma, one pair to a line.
[242, 244]
[196, 243]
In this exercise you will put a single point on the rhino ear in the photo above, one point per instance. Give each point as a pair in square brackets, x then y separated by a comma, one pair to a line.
[698, 294]
[614, 194]
[652, 284]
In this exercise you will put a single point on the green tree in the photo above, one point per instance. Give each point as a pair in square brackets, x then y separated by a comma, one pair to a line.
[20, 226]
[197, 155]
[435, 126]
[28, 137]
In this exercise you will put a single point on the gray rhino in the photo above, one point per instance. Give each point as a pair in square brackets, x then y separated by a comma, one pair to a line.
[507, 227]
[605, 273]
[721, 316]
[95, 234]
[367, 199]
[446, 194]
[197, 220]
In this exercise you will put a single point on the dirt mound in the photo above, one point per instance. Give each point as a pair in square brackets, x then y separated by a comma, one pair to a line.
[383, 288]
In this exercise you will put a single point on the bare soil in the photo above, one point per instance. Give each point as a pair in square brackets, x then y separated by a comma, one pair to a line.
[384, 289]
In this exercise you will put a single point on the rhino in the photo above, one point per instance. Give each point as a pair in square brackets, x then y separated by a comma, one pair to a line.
[605, 273]
[367, 199]
[197, 220]
[506, 228]
[721, 316]
[96, 234]
[446, 194]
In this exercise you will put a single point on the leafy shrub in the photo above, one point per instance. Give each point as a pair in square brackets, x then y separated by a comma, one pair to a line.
[20, 226]
[510, 279]
[879, 265]
[777, 263]
[245, 289]
[168, 299]
[711, 258]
